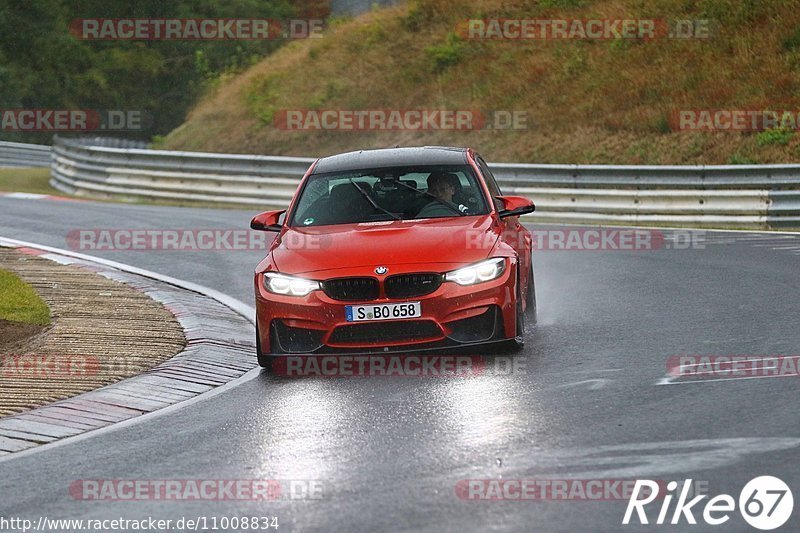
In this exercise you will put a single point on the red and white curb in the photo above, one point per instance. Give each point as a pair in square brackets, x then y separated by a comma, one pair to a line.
[220, 354]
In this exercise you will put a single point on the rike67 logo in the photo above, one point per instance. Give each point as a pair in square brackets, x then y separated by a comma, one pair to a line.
[765, 503]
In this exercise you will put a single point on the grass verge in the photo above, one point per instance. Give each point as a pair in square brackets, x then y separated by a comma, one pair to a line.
[20, 303]
[32, 180]
[37, 181]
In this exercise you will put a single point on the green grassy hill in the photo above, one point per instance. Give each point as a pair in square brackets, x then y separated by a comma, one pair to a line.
[603, 101]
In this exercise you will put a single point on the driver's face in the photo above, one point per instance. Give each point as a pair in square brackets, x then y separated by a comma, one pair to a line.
[442, 190]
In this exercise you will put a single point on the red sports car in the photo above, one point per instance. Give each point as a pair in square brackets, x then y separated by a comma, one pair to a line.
[403, 249]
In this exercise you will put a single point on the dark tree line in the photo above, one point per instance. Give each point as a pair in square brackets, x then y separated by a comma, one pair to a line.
[44, 66]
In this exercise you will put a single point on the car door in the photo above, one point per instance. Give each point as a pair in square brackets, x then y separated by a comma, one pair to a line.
[513, 232]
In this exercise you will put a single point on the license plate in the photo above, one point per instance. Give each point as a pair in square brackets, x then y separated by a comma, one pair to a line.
[360, 313]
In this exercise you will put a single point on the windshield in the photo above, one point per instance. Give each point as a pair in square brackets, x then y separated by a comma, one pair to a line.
[399, 193]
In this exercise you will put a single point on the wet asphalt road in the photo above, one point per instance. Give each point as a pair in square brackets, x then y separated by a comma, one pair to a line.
[387, 454]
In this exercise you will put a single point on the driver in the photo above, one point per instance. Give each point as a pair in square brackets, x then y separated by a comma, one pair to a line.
[443, 185]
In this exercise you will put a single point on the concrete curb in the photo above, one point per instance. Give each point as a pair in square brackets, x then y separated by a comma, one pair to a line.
[220, 349]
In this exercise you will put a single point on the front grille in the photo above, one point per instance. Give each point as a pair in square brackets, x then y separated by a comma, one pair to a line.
[406, 330]
[412, 285]
[351, 289]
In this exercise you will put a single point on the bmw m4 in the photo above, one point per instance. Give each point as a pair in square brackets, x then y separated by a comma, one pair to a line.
[402, 249]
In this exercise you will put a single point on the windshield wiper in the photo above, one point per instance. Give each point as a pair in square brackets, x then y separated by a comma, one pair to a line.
[371, 201]
[426, 193]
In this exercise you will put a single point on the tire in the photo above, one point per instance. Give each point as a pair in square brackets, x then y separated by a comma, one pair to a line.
[518, 343]
[530, 297]
[264, 360]
[519, 339]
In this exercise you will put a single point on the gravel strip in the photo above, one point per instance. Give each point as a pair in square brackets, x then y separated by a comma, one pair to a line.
[109, 325]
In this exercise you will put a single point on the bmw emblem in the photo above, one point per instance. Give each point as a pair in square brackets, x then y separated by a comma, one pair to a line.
[381, 270]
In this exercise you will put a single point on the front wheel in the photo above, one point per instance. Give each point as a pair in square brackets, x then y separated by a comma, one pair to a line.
[518, 342]
[519, 338]
[530, 297]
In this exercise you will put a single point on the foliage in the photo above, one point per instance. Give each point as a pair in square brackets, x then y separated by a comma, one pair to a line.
[44, 66]
[446, 54]
[779, 136]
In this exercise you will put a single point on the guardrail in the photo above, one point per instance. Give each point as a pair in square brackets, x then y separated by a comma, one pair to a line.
[24, 155]
[728, 196]
[171, 175]
[752, 196]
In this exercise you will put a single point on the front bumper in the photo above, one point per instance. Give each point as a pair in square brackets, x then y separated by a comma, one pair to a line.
[452, 316]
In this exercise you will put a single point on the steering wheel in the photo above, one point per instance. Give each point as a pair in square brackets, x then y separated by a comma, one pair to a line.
[435, 209]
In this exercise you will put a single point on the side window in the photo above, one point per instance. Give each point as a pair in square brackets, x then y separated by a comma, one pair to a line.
[491, 183]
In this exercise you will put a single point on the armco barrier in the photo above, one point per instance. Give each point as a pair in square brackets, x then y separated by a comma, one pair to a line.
[24, 155]
[752, 196]
[93, 170]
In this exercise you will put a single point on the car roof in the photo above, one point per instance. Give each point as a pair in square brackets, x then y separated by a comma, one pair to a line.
[391, 157]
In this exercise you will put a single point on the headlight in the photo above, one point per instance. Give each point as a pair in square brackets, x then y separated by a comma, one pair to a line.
[478, 273]
[283, 284]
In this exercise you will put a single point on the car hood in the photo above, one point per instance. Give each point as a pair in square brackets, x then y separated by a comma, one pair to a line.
[437, 240]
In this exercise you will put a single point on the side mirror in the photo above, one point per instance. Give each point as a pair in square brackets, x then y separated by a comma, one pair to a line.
[267, 221]
[514, 206]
